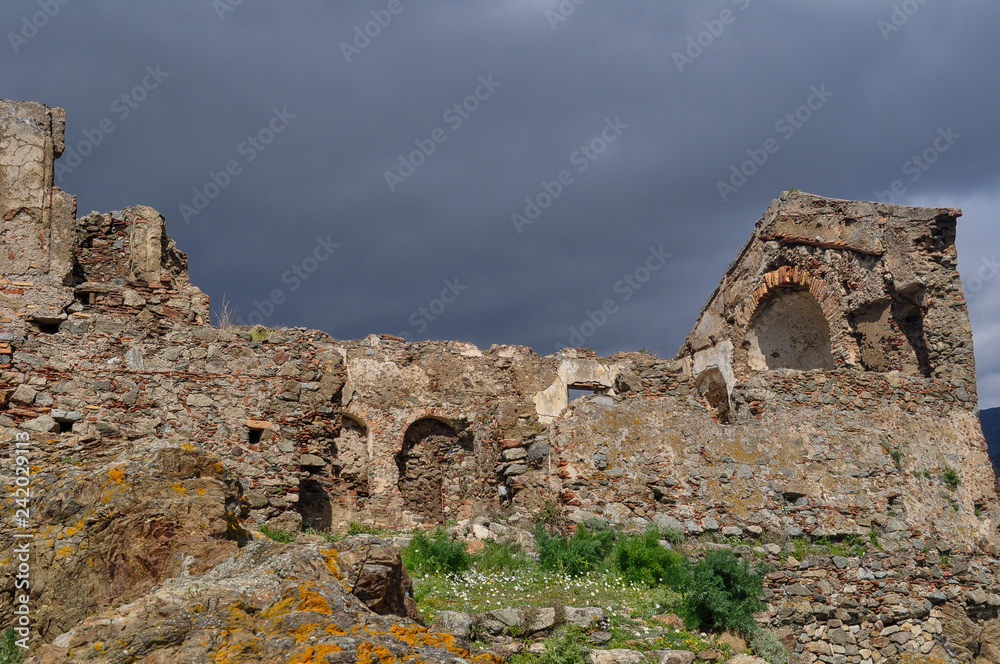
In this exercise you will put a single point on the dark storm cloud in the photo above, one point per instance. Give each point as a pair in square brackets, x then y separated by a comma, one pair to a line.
[702, 87]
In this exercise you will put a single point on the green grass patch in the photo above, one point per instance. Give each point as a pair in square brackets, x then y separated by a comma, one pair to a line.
[10, 653]
[501, 557]
[567, 646]
[277, 534]
[355, 528]
[475, 592]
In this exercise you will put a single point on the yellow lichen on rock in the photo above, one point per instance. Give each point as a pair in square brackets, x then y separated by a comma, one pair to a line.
[330, 558]
[416, 636]
[310, 600]
[279, 609]
[315, 654]
[369, 653]
[303, 633]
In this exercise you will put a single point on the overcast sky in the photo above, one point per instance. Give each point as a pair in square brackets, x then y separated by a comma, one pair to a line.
[617, 119]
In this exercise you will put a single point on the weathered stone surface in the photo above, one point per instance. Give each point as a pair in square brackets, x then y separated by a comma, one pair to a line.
[199, 400]
[42, 423]
[456, 623]
[23, 394]
[374, 572]
[586, 617]
[117, 528]
[242, 609]
[618, 656]
[672, 656]
[498, 622]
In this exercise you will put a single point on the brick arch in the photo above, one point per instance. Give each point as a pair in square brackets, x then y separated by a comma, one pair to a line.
[788, 277]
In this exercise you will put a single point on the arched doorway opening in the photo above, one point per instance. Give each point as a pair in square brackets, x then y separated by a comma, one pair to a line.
[427, 445]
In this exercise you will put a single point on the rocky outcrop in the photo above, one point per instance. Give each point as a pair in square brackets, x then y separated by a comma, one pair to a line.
[374, 572]
[270, 603]
[115, 522]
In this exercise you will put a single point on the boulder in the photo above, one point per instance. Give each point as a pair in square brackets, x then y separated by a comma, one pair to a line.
[374, 571]
[672, 656]
[584, 616]
[456, 623]
[745, 659]
[617, 656]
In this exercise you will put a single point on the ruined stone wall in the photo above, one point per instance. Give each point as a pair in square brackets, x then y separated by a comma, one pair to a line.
[35, 216]
[825, 283]
[827, 392]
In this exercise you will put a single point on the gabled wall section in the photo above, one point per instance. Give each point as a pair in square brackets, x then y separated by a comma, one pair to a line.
[825, 283]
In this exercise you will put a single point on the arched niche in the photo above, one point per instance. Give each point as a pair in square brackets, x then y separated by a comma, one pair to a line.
[711, 385]
[790, 331]
[352, 455]
[427, 446]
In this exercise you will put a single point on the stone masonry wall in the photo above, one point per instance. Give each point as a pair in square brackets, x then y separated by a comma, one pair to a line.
[855, 421]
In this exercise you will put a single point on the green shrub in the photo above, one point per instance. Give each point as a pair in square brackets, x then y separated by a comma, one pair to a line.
[436, 553]
[641, 560]
[566, 646]
[724, 594]
[897, 456]
[277, 534]
[951, 478]
[501, 557]
[766, 645]
[586, 551]
[10, 653]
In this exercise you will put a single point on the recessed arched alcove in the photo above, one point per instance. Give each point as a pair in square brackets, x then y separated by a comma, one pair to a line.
[426, 446]
[711, 385]
[351, 454]
[790, 331]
